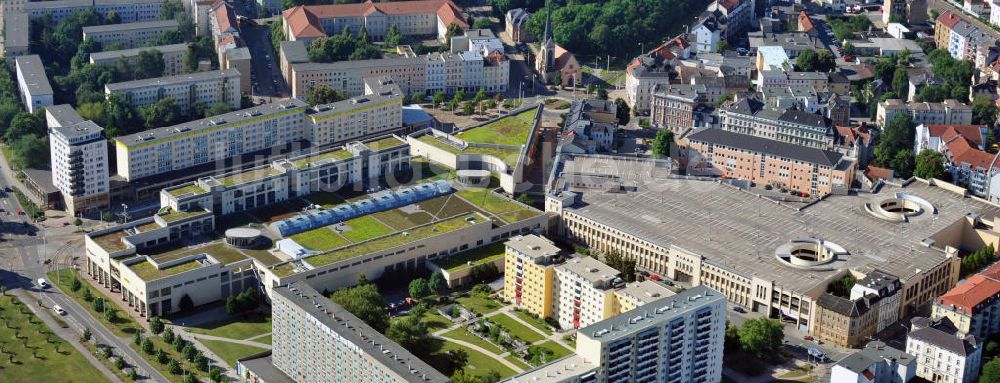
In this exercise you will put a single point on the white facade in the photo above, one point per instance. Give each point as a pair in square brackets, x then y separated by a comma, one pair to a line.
[173, 57]
[207, 87]
[130, 11]
[132, 35]
[705, 39]
[875, 363]
[80, 165]
[943, 357]
[582, 291]
[31, 81]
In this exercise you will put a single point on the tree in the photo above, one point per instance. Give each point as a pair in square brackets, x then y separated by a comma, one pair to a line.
[898, 134]
[185, 303]
[323, 94]
[119, 116]
[437, 283]
[173, 367]
[110, 314]
[168, 335]
[468, 108]
[393, 37]
[201, 362]
[417, 98]
[22, 125]
[484, 272]
[190, 60]
[169, 9]
[984, 111]
[732, 342]
[991, 372]
[438, 98]
[179, 343]
[419, 289]
[164, 112]
[189, 352]
[133, 375]
[156, 325]
[602, 94]
[137, 339]
[217, 109]
[231, 307]
[761, 336]
[112, 17]
[362, 280]
[87, 334]
[120, 363]
[409, 331]
[29, 151]
[75, 284]
[900, 83]
[622, 111]
[365, 52]
[482, 23]
[147, 346]
[87, 296]
[148, 64]
[215, 375]
[902, 163]
[453, 30]
[929, 164]
[808, 61]
[365, 302]
[662, 142]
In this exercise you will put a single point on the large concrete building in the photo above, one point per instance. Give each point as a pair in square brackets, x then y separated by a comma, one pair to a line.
[768, 257]
[36, 93]
[130, 11]
[948, 112]
[418, 18]
[193, 143]
[79, 158]
[316, 340]
[803, 169]
[131, 35]
[209, 88]
[378, 111]
[173, 57]
[752, 117]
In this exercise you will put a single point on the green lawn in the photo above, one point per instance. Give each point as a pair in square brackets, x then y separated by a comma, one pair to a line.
[263, 339]
[536, 322]
[463, 334]
[54, 360]
[230, 352]
[479, 363]
[479, 305]
[517, 329]
[364, 228]
[399, 220]
[477, 256]
[511, 130]
[432, 320]
[507, 209]
[240, 327]
[320, 239]
[518, 361]
[558, 351]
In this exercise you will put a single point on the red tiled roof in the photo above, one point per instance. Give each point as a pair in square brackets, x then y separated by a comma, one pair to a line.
[669, 49]
[961, 151]
[972, 133]
[225, 18]
[948, 19]
[447, 11]
[495, 58]
[851, 134]
[805, 25]
[974, 291]
[729, 5]
[303, 23]
[563, 57]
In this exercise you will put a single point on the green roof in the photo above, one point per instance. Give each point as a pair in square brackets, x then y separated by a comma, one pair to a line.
[192, 188]
[174, 215]
[148, 272]
[218, 250]
[498, 205]
[476, 256]
[393, 240]
[112, 241]
[284, 270]
[248, 176]
[385, 143]
[148, 227]
[509, 157]
[511, 130]
[305, 162]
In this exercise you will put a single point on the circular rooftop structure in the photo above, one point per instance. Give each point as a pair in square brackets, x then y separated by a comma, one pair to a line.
[808, 253]
[900, 207]
[473, 177]
[243, 237]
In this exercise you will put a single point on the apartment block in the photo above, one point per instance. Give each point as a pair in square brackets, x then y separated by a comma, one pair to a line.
[751, 117]
[876, 362]
[131, 11]
[316, 340]
[851, 321]
[948, 112]
[209, 139]
[418, 18]
[651, 69]
[966, 159]
[36, 93]
[173, 57]
[378, 111]
[673, 106]
[942, 354]
[209, 88]
[131, 35]
[803, 169]
[589, 127]
[80, 165]
[529, 270]
[677, 338]
[972, 307]
[580, 289]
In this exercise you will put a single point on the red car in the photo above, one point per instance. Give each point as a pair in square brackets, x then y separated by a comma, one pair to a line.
[808, 337]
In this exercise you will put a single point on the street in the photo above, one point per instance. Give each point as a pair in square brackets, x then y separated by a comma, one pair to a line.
[266, 77]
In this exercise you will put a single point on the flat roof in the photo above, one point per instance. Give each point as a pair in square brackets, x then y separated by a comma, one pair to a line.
[262, 365]
[105, 55]
[740, 231]
[663, 309]
[156, 24]
[564, 369]
[170, 80]
[80, 129]
[589, 269]
[83, 3]
[765, 146]
[64, 114]
[33, 71]
[382, 95]
[16, 29]
[226, 119]
[646, 291]
[533, 246]
[352, 330]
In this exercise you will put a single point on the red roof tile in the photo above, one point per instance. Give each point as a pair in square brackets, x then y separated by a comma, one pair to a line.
[972, 133]
[225, 18]
[447, 11]
[948, 19]
[974, 291]
[805, 25]
[303, 23]
[960, 151]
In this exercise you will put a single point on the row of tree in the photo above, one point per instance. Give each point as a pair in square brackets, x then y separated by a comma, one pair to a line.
[976, 260]
[345, 46]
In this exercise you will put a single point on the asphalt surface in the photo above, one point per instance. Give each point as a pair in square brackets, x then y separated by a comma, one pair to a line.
[267, 80]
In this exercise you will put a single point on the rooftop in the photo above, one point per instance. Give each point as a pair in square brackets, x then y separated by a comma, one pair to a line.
[966, 297]
[474, 257]
[354, 331]
[212, 75]
[874, 352]
[191, 188]
[55, 4]
[560, 370]
[33, 71]
[64, 114]
[148, 272]
[626, 324]
[589, 269]
[248, 176]
[319, 158]
[384, 143]
[109, 55]
[766, 146]
[740, 231]
[533, 246]
[124, 27]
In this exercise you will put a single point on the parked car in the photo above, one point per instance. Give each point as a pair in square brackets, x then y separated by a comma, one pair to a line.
[59, 310]
[739, 310]
[42, 283]
[808, 337]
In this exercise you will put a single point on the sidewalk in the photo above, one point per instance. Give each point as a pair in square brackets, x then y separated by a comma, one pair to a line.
[66, 334]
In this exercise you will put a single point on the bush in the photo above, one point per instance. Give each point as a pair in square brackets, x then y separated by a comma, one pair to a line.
[147, 346]
[86, 335]
[120, 363]
[245, 301]
[106, 352]
[87, 296]
[168, 335]
[161, 357]
[75, 284]
[173, 367]
[156, 325]
[482, 290]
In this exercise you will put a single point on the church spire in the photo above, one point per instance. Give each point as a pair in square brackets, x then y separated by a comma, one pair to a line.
[548, 23]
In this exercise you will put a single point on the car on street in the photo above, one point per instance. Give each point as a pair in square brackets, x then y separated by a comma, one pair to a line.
[42, 283]
[59, 310]
[808, 337]
[739, 310]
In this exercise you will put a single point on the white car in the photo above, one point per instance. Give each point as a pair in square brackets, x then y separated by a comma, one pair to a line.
[42, 283]
[59, 310]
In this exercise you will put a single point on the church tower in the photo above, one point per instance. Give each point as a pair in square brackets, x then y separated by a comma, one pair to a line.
[545, 63]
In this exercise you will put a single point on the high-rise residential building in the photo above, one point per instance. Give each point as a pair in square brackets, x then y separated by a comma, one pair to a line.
[79, 158]
[876, 362]
[972, 307]
[942, 353]
[173, 57]
[316, 340]
[209, 88]
[751, 117]
[377, 112]
[948, 112]
[209, 139]
[35, 90]
[580, 291]
[807, 170]
[131, 35]
[529, 271]
[411, 18]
